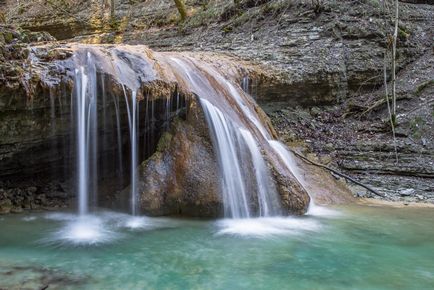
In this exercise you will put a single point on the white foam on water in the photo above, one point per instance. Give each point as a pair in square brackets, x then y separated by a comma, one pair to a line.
[84, 230]
[151, 223]
[58, 216]
[140, 223]
[321, 211]
[267, 227]
[122, 220]
[28, 218]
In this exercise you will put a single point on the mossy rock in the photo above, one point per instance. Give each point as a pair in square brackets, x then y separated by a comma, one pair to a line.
[5, 206]
[164, 142]
[8, 37]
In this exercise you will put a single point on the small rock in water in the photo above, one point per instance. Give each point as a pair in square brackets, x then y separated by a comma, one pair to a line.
[407, 192]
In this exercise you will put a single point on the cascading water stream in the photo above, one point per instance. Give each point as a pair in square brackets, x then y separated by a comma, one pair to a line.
[267, 194]
[242, 141]
[231, 137]
[86, 115]
[289, 161]
[81, 85]
[132, 121]
[233, 187]
[87, 135]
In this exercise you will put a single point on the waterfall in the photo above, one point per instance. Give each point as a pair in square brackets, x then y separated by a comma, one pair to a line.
[132, 122]
[86, 132]
[119, 136]
[289, 161]
[241, 138]
[225, 139]
[267, 194]
[235, 129]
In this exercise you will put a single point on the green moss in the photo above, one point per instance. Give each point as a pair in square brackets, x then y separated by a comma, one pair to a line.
[8, 36]
[164, 142]
[243, 18]
[53, 54]
[227, 29]
[403, 35]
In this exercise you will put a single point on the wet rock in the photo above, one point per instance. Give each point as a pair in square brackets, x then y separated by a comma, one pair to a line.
[181, 178]
[16, 209]
[5, 206]
[294, 199]
[57, 194]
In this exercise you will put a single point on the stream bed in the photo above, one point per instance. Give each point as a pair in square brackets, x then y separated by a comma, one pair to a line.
[357, 247]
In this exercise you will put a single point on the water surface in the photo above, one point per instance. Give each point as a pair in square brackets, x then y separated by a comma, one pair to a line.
[351, 248]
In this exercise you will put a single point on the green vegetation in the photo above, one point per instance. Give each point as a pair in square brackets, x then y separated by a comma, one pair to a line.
[416, 126]
[420, 88]
[164, 142]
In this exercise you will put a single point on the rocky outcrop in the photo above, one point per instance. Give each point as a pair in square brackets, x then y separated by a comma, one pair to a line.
[31, 148]
[356, 136]
[37, 128]
[47, 197]
[314, 54]
[181, 177]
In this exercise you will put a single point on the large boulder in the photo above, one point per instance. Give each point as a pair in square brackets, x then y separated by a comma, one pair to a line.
[182, 177]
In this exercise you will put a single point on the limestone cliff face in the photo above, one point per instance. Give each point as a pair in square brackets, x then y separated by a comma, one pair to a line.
[32, 129]
[314, 54]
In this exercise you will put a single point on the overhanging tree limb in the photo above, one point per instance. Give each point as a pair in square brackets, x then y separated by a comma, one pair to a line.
[337, 173]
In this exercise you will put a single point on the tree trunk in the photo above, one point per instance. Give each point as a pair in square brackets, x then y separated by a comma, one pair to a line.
[181, 9]
[112, 9]
[395, 36]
